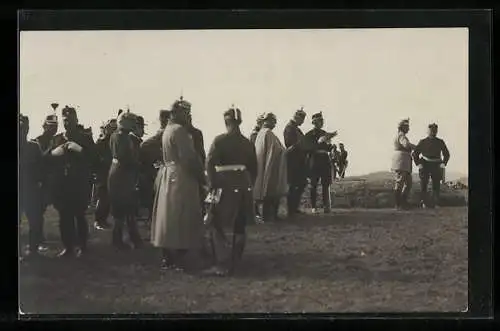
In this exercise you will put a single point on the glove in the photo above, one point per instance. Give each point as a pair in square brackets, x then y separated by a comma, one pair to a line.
[420, 166]
[58, 151]
[442, 165]
[74, 147]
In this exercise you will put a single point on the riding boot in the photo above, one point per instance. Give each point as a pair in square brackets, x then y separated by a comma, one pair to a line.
[238, 249]
[435, 198]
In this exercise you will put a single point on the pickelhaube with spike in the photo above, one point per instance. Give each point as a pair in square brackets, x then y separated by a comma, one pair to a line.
[404, 122]
[233, 113]
[50, 120]
[269, 116]
[300, 112]
[317, 116]
[68, 110]
[181, 104]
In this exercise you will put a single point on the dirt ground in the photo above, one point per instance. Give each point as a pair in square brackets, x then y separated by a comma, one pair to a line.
[377, 260]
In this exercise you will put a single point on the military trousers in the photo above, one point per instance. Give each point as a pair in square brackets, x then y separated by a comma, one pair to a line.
[73, 226]
[32, 206]
[403, 183]
[296, 183]
[103, 205]
[321, 174]
[430, 170]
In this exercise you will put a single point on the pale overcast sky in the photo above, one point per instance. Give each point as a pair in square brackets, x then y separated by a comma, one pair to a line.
[364, 81]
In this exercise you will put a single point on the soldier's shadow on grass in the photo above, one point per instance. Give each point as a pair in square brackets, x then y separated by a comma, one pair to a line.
[323, 267]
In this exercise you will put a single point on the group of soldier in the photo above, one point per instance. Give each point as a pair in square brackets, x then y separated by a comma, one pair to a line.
[430, 155]
[196, 202]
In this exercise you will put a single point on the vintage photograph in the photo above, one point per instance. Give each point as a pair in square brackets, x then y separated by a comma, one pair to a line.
[243, 171]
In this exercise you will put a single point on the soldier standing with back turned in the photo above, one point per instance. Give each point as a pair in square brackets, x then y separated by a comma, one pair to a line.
[232, 170]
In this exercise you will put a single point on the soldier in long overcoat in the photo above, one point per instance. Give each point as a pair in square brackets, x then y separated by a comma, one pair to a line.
[296, 161]
[177, 223]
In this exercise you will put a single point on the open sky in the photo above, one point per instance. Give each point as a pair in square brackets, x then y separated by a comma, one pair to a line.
[363, 80]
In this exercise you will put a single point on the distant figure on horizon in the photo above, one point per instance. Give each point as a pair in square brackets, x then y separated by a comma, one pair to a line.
[334, 157]
[342, 162]
[402, 165]
[431, 155]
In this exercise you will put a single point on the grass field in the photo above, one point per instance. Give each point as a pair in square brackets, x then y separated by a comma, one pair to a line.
[372, 260]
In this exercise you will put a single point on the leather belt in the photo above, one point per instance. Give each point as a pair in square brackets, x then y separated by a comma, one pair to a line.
[232, 167]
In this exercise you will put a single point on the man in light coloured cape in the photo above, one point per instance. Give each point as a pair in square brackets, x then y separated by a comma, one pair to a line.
[177, 222]
[271, 184]
[402, 165]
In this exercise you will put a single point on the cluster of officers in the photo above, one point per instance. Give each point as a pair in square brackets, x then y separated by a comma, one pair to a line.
[196, 202]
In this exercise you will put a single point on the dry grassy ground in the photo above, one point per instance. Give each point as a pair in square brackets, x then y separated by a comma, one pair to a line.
[350, 261]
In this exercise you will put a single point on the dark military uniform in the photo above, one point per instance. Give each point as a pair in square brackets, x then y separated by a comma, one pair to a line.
[151, 154]
[232, 170]
[72, 187]
[103, 152]
[319, 166]
[254, 134]
[296, 163]
[46, 142]
[30, 178]
[199, 147]
[197, 136]
[430, 154]
[342, 162]
[122, 181]
[334, 157]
